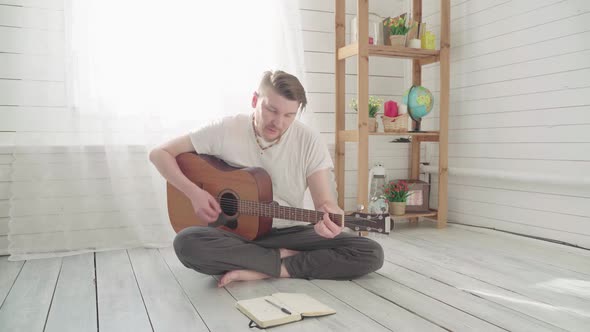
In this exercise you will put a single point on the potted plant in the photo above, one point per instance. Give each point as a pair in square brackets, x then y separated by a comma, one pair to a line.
[397, 192]
[398, 28]
[374, 105]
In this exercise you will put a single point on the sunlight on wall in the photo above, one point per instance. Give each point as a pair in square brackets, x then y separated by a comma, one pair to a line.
[174, 62]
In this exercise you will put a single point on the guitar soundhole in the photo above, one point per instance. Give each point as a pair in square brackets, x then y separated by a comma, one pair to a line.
[229, 204]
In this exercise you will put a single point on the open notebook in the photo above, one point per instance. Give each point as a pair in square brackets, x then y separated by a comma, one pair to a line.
[282, 308]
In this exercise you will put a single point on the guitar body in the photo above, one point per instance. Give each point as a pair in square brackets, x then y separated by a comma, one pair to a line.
[228, 185]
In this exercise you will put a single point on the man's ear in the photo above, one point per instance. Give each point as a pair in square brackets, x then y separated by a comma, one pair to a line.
[254, 99]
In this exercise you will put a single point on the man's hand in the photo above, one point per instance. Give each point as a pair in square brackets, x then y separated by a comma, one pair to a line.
[326, 227]
[205, 206]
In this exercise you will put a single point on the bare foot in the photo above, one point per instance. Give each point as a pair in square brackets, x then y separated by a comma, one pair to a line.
[240, 275]
[287, 252]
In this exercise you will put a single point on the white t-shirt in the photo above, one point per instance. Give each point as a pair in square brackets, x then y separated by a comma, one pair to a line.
[299, 153]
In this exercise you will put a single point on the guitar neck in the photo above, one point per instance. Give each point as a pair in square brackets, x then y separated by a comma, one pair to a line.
[274, 210]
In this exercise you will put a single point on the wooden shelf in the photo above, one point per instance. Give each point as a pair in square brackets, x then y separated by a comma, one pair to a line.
[359, 134]
[406, 133]
[427, 56]
[422, 136]
[432, 213]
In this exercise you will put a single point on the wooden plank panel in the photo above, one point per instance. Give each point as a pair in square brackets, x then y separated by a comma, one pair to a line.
[4, 243]
[383, 7]
[570, 206]
[48, 4]
[547, 49]
[81, 187]
[168, 307]
[377, 308]
[562, 236]
[515, 185]
[4, 208]
[547, 151]
[28, 41]
[545, 119]
[37, 141]
[318, 41]
[517, 70]
[463, 12]
[70, 205]
[32, 67]
[74, 303]
[31, 18]
[32, 93]
[565, 167]
[426, 307]
[530, 85]
[519, 276]
[4, 225]
[10, 271]
[490, 312]
[492, 293]
[558, 98]
[26, 306]
[533, 253]
[5, 190]
[71, 171]
[38, 245]
[205, 297]
[120, 303]
[514, 28]
[79, 222]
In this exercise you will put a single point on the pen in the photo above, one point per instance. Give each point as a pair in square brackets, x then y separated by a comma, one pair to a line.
[278, 306]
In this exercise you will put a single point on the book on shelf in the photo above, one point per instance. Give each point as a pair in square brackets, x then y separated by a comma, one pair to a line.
[281, 308]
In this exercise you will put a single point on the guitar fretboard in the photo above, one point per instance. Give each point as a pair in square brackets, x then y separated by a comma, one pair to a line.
[274, 210]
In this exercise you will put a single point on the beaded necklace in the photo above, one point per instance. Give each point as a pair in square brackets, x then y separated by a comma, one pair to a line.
[262, 148]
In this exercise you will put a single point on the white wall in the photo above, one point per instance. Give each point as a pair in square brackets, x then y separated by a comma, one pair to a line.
[520, 103]
[51, 158]
[31, 81]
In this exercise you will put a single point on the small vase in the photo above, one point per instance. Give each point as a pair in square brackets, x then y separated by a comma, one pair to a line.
[397, 208]
[397, 40]
[373, 125]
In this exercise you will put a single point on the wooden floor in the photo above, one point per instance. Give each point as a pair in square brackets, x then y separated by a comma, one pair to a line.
[455, 279]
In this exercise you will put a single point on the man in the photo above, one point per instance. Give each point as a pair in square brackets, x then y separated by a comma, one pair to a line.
[295, 159]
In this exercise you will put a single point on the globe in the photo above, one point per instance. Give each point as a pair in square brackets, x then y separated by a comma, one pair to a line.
[419, 101]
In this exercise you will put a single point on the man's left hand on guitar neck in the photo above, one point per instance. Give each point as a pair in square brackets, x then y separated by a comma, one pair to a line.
[326, 227]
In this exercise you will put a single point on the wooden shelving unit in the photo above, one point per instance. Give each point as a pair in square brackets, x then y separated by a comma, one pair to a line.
[419, 57]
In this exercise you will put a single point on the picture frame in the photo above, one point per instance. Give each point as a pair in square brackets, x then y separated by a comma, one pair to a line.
[419, 200]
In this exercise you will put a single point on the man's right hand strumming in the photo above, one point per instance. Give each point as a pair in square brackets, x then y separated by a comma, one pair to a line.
[205, 206]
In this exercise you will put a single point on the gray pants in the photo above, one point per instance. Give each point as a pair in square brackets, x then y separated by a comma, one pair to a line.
[213, 251]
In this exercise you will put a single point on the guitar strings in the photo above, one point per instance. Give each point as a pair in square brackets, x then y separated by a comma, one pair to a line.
[350, 221]
[234, 203]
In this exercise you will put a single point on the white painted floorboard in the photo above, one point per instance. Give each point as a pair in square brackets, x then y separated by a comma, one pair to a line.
[459, 278]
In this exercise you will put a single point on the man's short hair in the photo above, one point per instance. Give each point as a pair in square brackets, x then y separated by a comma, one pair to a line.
[284, 84]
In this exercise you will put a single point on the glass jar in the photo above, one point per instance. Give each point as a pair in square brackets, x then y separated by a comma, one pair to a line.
[375, 29]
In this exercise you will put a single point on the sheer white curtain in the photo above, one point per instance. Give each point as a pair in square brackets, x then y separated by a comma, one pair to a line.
[138, 73]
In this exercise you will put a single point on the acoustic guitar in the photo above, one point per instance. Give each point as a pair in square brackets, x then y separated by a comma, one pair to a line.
[246, 199]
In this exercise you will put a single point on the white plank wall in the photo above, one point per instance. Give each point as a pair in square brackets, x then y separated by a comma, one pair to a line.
[520, 102]
[32, 90]
[76, 180]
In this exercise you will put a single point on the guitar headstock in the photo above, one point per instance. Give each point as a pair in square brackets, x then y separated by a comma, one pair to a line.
[358, 221]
